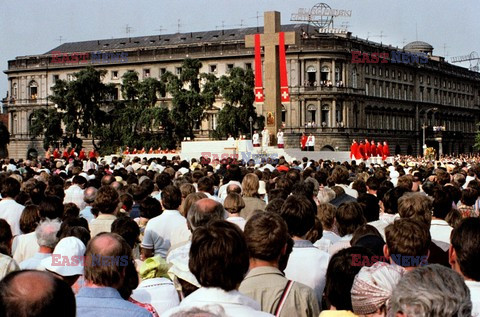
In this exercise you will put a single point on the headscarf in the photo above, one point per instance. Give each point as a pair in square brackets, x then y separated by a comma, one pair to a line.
[373, 287]
[155, 266]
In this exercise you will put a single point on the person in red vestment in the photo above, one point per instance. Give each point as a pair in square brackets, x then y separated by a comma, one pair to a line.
[367, 149]
[72, 152]
[82, 155]
[373, 149]
[303, 142]
[65, 154]
[134, 151]
[142, 151]
[56, 154]
[379, 149]
[361, 149]
[150, 151]
[353, 149]
[127, 151]
[91, 154]
[386, 151]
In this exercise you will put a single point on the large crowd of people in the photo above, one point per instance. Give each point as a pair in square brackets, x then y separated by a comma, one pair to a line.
[80, 236]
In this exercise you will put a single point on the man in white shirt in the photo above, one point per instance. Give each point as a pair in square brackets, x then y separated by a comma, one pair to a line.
[168, 229]
[311, 142]
[463, 257]
[219, 261]
[74, 193]
[265, 137]
[280, 140]
[10, 210]
[256, 139]
[46, 233]
[307, 264]
[440, 230]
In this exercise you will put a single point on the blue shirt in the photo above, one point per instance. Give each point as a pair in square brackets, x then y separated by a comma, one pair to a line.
[106, 302]
[87, 213]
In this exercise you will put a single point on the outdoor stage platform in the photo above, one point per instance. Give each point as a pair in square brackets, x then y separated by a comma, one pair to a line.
[244, 150]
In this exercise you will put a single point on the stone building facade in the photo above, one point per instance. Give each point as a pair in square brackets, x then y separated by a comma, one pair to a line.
[332, 97]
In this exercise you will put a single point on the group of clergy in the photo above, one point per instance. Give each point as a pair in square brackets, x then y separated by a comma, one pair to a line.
[69, 153]
[367, 149]
[266, 138]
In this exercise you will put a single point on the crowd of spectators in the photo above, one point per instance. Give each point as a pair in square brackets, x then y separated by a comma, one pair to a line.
[170, 237]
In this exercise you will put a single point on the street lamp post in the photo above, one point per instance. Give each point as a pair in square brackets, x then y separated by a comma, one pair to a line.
[425, 126]
[250, 119]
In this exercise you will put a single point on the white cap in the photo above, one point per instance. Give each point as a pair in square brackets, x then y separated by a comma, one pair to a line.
[71, 248]
[262, 188]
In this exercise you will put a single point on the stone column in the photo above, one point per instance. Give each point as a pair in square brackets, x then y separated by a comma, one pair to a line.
[332, 79]
[332, 113]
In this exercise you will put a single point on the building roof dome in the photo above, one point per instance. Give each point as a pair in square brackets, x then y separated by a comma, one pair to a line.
[419, 46]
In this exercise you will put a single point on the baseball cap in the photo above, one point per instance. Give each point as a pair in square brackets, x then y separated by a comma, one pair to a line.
[71, 248]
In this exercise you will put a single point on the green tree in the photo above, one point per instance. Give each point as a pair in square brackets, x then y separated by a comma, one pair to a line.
[47, 122]
[4, 140]
[81, 102]
[237, 90]
[192, 93]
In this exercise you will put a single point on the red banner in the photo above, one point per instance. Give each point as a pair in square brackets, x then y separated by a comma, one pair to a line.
[284, 94]
[259, 96]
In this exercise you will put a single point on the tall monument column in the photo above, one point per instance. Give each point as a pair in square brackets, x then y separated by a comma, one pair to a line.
[272, 108]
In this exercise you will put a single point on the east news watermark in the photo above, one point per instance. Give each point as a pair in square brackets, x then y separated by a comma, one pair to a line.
[394, 57]
[96, 260]
[86, 57]
[401, 260]
[246, 156]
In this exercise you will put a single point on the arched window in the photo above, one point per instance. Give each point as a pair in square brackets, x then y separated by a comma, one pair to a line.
[33, 90]
[325, 115]
[325, 74]
[14, 90]
[311, 76]
[338, 74]
[311, 114]
[339, 114]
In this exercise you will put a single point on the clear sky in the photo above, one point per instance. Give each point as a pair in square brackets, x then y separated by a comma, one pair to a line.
[29, 27]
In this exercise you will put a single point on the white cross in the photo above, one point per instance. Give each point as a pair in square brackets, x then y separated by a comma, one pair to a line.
[285, 95]
[259, 95]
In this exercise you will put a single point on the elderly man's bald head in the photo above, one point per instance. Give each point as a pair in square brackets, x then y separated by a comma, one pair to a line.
[35, 293]
[203, 211]
[107, 255]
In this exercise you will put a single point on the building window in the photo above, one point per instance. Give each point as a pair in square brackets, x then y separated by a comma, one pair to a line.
[70, 77]
[14, 90]
[380, 92]
[339, 114]
[248, 65]
[114, 74]
[411, 77]
[405, 76]
[379, 71]
[178, 70]
[325, 114]
[386, 73]
[146, 73]
[338, 75]
[428, 80]
[212, 68]
[367, 69]
[374, 70]
[33, 88]
[311, 76]
[162, 71]
[324, 75]
[229, 67]
[366, 89]
[400, 75]
[393, 74]
[311, 115]
[421, 79]
[435, 81]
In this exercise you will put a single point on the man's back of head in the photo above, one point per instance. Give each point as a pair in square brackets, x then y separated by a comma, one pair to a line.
[416, 206]
[203, 211]
[465, 248]
[89, 195]
[408, 242]
[219, 255]
[298, 214]
[35, 293]
[107, 256]
[106, 200]
[432, 290]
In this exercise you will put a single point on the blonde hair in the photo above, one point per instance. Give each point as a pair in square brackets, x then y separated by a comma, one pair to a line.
[233, 203]
[250, 185]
